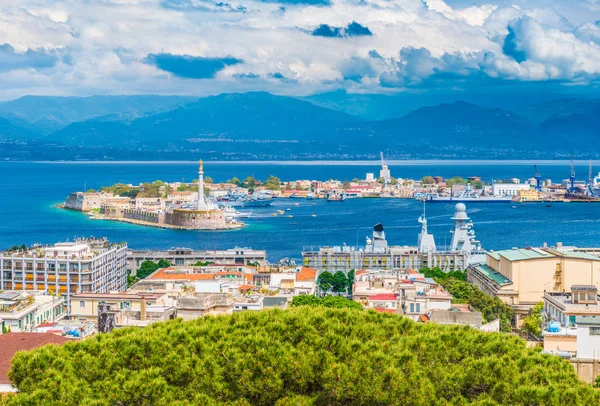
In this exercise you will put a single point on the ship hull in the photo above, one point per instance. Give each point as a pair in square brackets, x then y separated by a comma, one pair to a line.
[469, 200]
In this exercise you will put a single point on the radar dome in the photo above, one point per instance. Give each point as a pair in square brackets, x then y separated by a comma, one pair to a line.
[461, 207]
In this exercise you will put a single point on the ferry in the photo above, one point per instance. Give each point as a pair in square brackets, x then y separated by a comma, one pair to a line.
[334, 197]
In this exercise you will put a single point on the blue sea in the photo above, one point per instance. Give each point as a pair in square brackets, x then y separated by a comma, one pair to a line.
[32, 189]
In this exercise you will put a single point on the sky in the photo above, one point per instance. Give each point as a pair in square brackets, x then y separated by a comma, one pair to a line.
[296, 47]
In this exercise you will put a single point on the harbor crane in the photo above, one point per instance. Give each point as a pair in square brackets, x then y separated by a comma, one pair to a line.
[572, 176]
[538, 179]
[591, 182]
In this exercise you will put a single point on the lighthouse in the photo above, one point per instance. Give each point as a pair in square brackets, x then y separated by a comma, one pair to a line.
[202, 205]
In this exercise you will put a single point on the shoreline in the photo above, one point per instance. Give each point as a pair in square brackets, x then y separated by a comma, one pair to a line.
[374, 162]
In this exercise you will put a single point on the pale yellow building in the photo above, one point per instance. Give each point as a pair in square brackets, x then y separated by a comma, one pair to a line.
[129, 307]
[521, 276]
[529, 196]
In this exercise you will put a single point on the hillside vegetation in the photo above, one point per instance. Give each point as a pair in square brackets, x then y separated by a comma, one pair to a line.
[302, 356]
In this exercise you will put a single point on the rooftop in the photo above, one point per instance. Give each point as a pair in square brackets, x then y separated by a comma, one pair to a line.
[12, 342]
[523, 254]
[493, 274]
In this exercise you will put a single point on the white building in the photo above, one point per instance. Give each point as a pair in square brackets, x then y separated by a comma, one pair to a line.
[509, 189]
[83, 266]
[588, 337]
[23, 311]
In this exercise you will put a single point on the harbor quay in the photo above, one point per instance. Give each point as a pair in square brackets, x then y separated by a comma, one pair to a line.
[206, 205]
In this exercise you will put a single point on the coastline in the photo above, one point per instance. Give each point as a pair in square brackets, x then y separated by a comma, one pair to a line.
[376, 162]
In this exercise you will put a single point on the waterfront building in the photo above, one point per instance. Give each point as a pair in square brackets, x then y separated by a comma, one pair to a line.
[24, 311]
[377, 254]
[187, 257]
[520, 277]
[82, 266]
[509, 189]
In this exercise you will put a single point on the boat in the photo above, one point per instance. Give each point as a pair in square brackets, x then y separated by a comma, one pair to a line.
[335, 197]
[290, 217]
[468, 195]
[310, 196]
[280, 212]
[313, 215]
[288, 209]
[254, 200]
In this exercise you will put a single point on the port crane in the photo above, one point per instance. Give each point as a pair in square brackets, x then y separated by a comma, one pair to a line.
[572, 176]
[538, 179]
[591, 182]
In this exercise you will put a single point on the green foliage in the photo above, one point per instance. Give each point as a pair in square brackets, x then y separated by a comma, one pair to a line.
[273, 183]
[305, 300]
[157, 188]
[250, 182]
[235, 181]
[491, 308]
[120, 189]
[533, 322]
[457, 180]
[339, 282]
[203, 263]
[350, 280]
[337, 302]
[146, 268]
[325, 281]
[163, 263]
[597, 382]
[437, 273]
[300, 356]
[427, 180]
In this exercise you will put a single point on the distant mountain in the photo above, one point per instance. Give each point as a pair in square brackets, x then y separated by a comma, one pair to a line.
[560, 108]
[459, 124]
[9, 130]
[222, 119]
[47, 114]
[264, 126]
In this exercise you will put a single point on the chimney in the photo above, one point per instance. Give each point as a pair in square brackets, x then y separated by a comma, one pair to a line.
[143, 309]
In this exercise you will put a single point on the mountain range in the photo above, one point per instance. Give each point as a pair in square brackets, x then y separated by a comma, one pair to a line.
[260, 125]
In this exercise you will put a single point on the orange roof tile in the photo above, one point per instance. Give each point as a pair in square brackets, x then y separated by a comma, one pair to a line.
[360, 272]
[306, 274]
[182, 276]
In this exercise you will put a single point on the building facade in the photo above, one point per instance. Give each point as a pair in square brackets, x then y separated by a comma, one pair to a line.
[83, 266]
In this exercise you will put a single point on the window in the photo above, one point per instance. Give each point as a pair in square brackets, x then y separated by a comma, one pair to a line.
[82, 304]
[418, 307]
[595, 331]
[412, 307]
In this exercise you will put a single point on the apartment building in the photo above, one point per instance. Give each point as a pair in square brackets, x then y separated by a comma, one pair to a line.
[82, 266]
[23, 311]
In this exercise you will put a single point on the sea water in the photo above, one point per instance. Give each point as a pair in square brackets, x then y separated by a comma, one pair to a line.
[31, 190]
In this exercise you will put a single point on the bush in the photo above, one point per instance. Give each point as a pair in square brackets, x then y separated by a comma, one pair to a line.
[301, 356]
[327, 301]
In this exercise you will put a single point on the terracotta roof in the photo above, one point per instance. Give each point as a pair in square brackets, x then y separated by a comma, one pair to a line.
[306, 274]
[360, 272]
[247, 287]
[182, 276]
[383, 296]
[423, 318]
[411, 271]
[12, 342]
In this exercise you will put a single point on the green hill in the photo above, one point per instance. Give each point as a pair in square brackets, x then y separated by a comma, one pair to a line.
[302, 356]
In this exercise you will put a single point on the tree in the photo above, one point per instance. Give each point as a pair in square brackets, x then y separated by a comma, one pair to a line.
[208, 179]
[533, 322]
[273, 183]
[146, 268]
[250, 182]
[346, 185]
[305, 300]
[339, 282]
[350, 282]
[235, 181]
[325, 281]
[203, 263]
[427, 180]
[163, 263]
[305, 355]
[457, 180]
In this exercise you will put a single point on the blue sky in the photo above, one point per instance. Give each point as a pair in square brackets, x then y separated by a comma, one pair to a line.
[296, 47]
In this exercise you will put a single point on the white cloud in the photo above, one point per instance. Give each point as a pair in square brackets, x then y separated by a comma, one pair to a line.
[102, 44]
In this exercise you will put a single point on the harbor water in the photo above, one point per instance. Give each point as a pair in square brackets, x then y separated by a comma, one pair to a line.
[31, 190]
